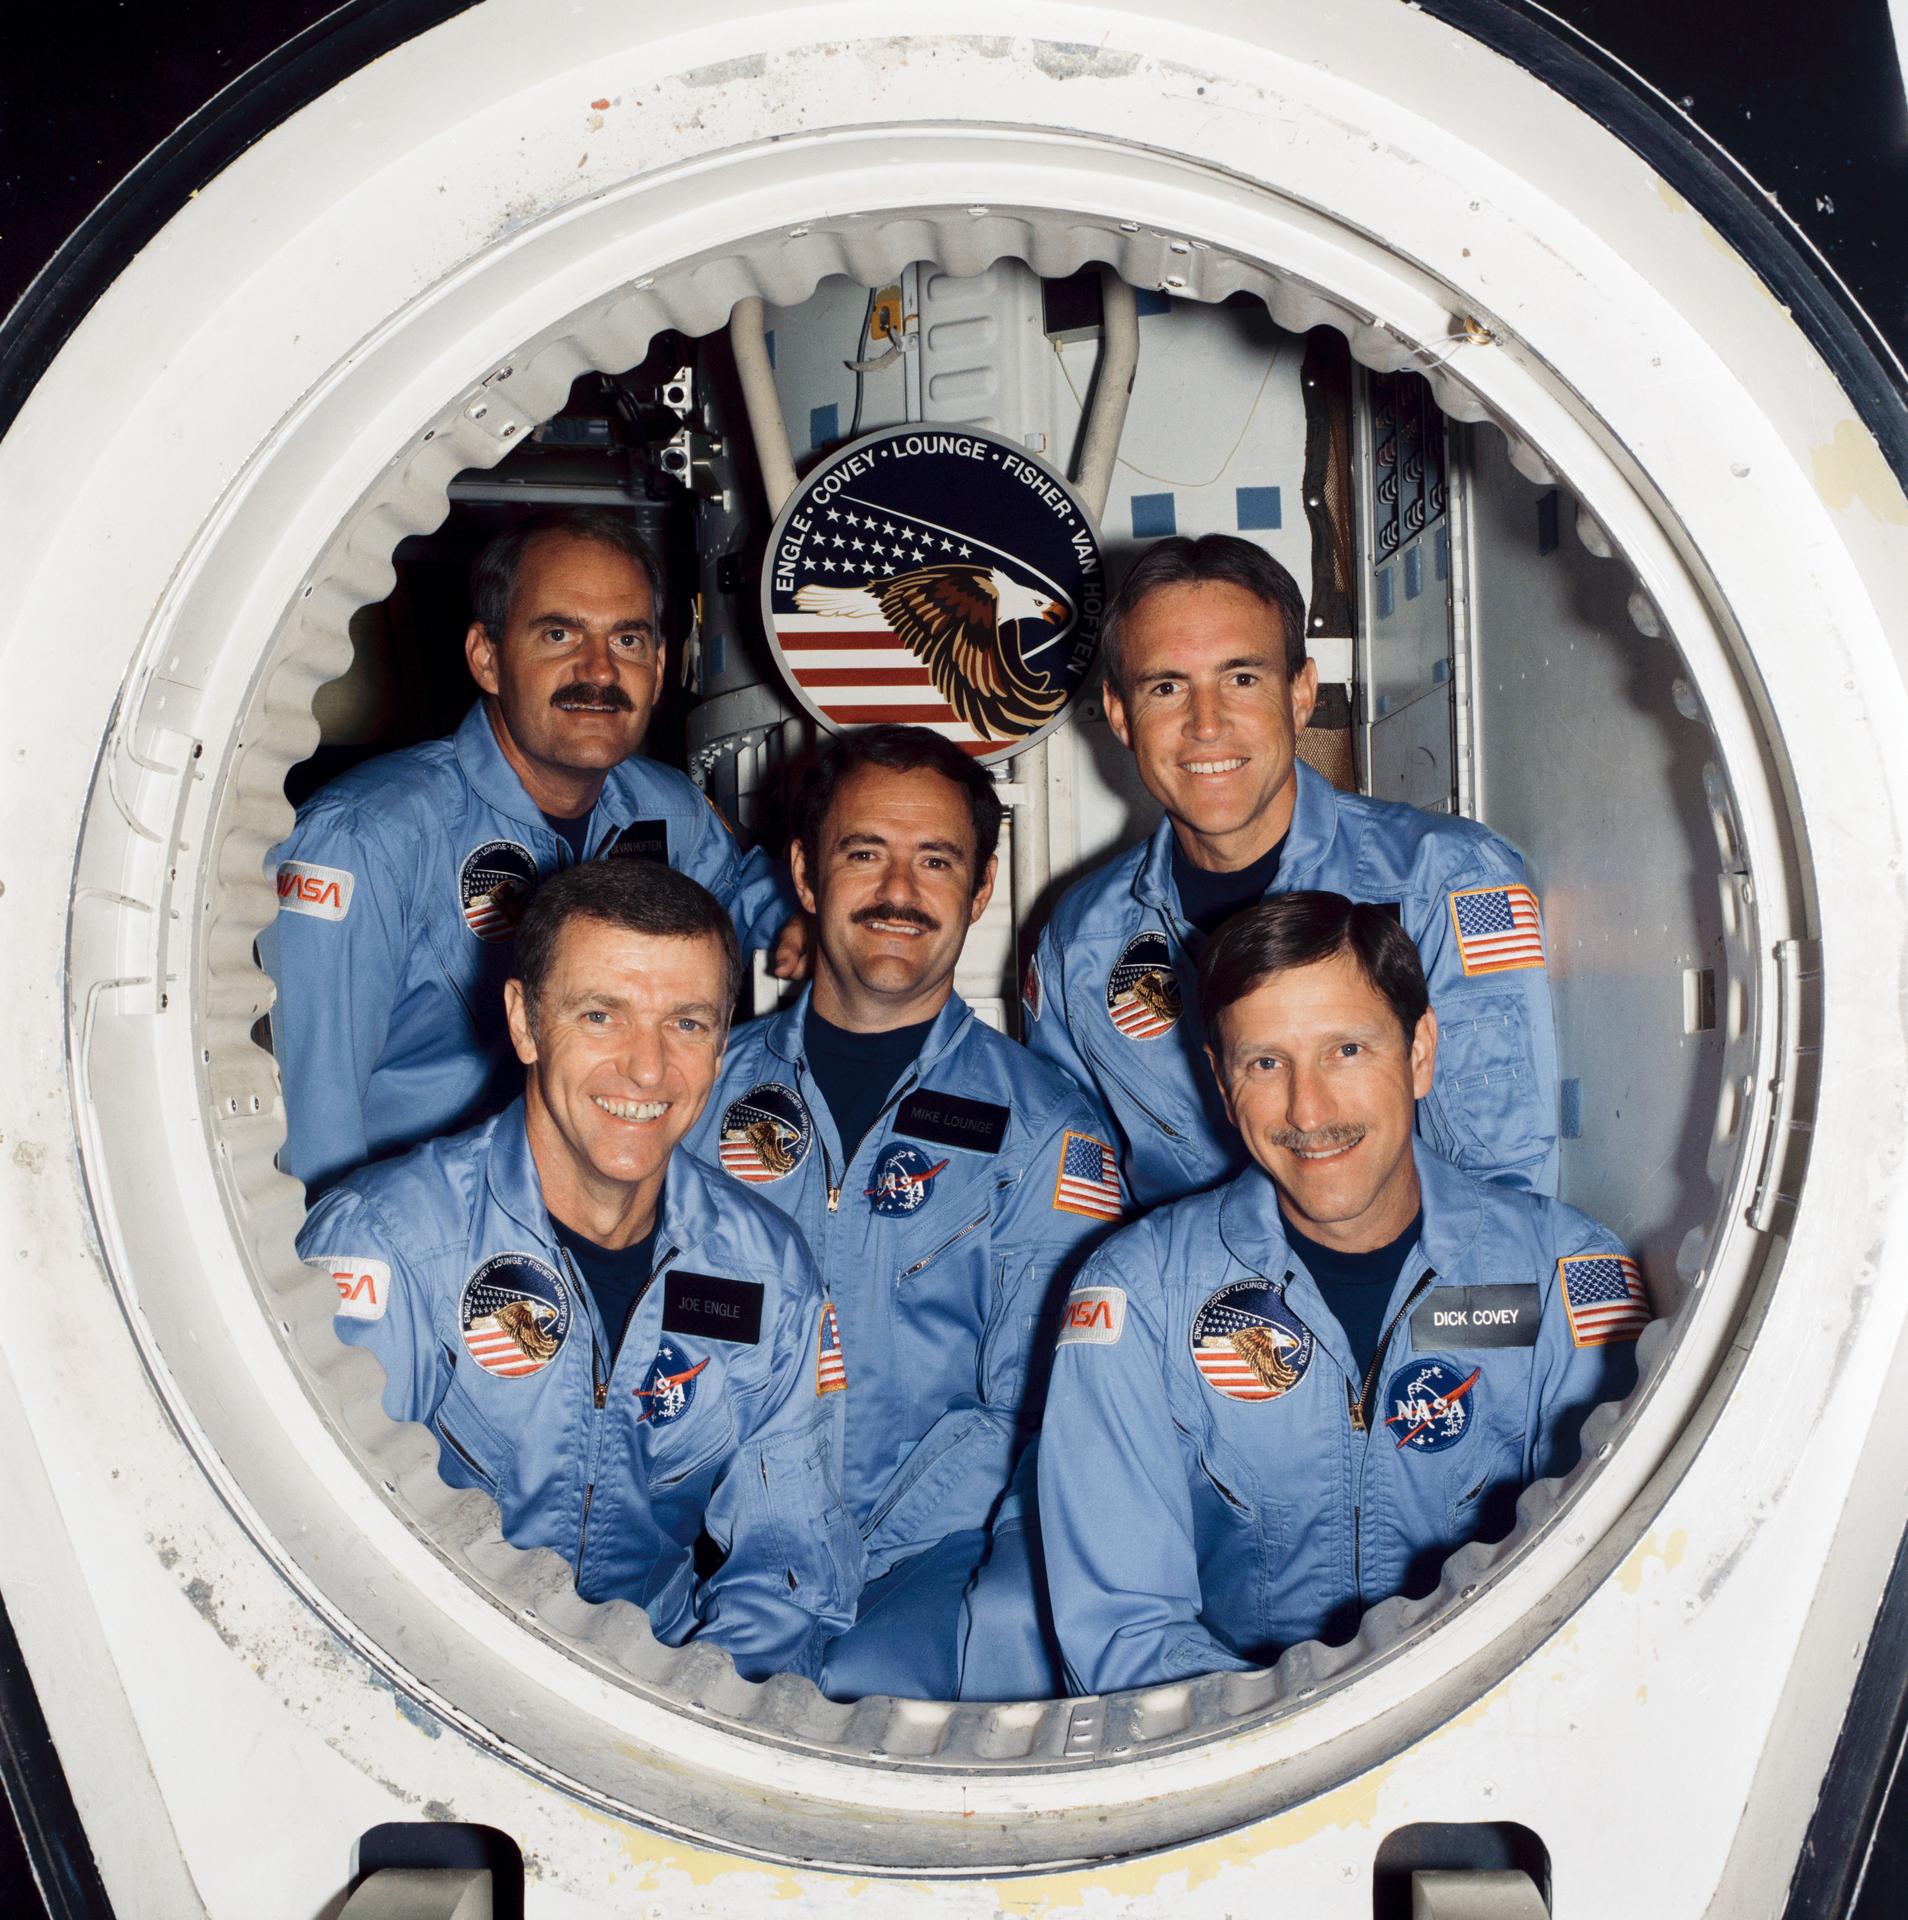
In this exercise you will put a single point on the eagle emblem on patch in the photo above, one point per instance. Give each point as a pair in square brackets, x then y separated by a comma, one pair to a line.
[944, 577]
[494, 886]
[1248, 1344]
[515, 1315]
[766, 1134]
[1142, 991]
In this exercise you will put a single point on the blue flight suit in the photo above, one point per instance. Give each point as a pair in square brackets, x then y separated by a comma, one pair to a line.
[948, 1235]
[448, 1269]
[1218, 1482]
[1112, 994]
[399, 890]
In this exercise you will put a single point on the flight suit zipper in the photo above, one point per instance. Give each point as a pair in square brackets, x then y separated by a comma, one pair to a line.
[828, 1166]
[1361, 1411]
[599, 1391]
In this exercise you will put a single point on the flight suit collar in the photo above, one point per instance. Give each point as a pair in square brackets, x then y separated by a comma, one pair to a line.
[689, 1210]
[1254, 1234]
[785, 1032]
[1307, 842]
[491, 776]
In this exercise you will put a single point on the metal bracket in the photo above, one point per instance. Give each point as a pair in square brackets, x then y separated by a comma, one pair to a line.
[1785, 1155]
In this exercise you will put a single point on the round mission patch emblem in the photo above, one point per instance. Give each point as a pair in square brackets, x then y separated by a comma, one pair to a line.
[515, 1315]
[1248, 1344]
[1142, 991]
[938, 577]
[766, 1134]
[494, 886]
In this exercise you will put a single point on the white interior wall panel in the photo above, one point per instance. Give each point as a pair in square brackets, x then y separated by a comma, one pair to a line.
[1585, 763]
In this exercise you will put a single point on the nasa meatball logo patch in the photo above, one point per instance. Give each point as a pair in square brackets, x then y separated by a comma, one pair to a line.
[766, 1134]
[515, 1315]
[1142, 991]
[1248, 1344]
[903, 1178]
[1429, 1404]
[669, 1387]
[494, 886]
[941, 577]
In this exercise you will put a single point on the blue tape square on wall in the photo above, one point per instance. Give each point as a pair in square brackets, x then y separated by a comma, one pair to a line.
[1413, 572]
[1154, 516]
[824, 425]
[1385, 592]
[1259, 509]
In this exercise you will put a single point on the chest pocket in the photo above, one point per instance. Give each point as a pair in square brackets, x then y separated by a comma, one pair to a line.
[680, 1449]
[470, 920]
[1482, 1111]
[471, 1450]
[954, 1222]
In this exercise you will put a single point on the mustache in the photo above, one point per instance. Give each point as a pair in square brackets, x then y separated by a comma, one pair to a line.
[884, 910]
[591, 699]
[1315, 1142]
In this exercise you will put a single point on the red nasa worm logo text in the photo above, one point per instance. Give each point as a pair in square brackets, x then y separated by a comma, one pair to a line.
[938, 578]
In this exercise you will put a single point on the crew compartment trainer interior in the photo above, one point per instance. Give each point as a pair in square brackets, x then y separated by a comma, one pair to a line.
[1627, 600]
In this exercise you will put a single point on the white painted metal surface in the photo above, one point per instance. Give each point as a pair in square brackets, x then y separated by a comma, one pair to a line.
[257, 1622]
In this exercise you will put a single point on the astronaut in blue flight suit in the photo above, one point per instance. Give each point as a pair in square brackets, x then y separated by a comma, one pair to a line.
[1208, 684]
[1278, 1402]
[402, 883]
[949, 1184]
[603, 1333]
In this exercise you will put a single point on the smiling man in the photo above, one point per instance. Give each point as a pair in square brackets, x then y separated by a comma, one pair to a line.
[949, 1184]
[602, 1334]
[1279, 1402]
[1208, 685]
[402, 884]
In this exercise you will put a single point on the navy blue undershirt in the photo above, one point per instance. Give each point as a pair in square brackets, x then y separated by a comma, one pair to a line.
[570, 832]
[1356, 1286]
[857, 1071]
[1207, 900]
[615, 1276]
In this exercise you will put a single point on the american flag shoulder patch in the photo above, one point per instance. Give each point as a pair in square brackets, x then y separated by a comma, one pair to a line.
[1603, 1298]
[831, 1371]
[1499, 929]
[1088, 1178]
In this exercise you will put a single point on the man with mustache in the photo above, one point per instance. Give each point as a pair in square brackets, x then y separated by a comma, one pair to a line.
[1279, 1402]
[601, 1333]
[1208, 684]
[402, 883]
[949, 1184]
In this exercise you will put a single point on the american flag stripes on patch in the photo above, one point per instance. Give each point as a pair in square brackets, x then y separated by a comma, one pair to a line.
[1089, 1178]
[1498, 929]
[831, 1371]
[1604, 1297]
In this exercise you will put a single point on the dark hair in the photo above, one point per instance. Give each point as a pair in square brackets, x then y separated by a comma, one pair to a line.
[1214, 558]
[901, 750]
[640, 896]
[493, 575]
[1299, 929]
